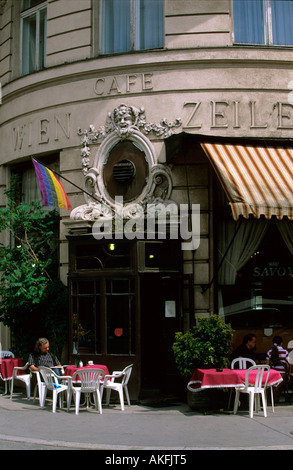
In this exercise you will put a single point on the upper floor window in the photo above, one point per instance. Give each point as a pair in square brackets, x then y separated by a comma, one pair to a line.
[266, 22]
[33, 35]
[131, 25]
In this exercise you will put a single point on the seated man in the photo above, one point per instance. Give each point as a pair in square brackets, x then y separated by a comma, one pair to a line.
[247, 348]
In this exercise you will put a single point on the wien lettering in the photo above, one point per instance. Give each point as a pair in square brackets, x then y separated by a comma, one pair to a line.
[41, 131]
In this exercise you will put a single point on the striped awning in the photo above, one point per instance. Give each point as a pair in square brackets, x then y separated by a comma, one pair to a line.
[258, 180]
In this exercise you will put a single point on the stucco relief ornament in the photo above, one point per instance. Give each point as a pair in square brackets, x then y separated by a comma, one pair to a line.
[124, 122]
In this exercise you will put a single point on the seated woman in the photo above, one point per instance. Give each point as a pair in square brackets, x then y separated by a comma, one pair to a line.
[42, 357]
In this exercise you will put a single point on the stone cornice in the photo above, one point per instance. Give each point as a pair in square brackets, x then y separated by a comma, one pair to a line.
[234, 57]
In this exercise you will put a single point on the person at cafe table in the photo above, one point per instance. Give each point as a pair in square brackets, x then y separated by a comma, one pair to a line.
[277, 358]
[42, 357]
[247, 348]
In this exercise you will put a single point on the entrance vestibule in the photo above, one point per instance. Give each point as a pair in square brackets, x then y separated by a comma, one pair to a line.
[125, 306]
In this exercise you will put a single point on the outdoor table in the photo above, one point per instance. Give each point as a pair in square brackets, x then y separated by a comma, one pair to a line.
[203, 379]
[210, 378]
[6, 368]
[69, 370]
[274, 379]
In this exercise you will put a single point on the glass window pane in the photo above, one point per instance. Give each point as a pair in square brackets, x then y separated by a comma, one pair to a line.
[162, 255]
[29, 44]
[30, 188]
[34, 41]
[116, 26]
[150, 25]
[249, 21]
[86, 316]
[42, 39]
[119, 313]
[30, 3]
[282, 20]
[86, 325]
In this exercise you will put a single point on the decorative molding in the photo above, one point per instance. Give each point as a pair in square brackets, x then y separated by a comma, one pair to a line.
[125, 122]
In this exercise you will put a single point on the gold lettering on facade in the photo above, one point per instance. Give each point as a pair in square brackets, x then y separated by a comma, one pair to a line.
[44, 138]
[114, 87]
[282, 115]
[29, 134]
[147, 81]
[99, 86]
[206, 115]
[253, 124]
[216, 114]
[59, 125]
[18, 134]
[41, 131]
[236, 114]
[195, 106]
[132, 83]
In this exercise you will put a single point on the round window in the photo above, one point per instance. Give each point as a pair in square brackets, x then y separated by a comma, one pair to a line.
[125, 171]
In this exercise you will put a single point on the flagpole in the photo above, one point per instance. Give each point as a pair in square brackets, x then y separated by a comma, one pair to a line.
[68, 181]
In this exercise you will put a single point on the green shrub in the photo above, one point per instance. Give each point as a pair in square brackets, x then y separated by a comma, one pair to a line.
[33, 301]
[206, 345]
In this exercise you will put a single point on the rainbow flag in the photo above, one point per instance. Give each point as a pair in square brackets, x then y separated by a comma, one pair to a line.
[52, 191]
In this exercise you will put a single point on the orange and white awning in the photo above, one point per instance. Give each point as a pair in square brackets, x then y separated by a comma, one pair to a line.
[258, 180]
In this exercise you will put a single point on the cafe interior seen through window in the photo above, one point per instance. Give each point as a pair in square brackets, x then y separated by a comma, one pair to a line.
[105, 304]
[262, 296]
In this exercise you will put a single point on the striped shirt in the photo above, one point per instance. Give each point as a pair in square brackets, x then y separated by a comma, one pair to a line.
[47, 360]
[283, 355]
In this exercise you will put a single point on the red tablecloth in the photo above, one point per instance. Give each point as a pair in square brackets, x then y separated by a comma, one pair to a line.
[7, 365]
[209, 378]
[69, 370]
[274, 376]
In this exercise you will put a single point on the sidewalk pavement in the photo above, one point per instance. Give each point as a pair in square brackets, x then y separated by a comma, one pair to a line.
[165, 427]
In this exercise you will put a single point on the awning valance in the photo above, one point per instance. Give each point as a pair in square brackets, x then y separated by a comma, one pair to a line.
[258, 180]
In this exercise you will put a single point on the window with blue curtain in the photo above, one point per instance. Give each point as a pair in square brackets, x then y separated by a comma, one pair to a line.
[282, 22]
[249, 26]
[267, 22]
[131, 25]
[33, 36]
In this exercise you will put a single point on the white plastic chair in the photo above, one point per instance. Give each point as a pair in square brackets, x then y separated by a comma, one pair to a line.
[4, 354]
[39, 387]
[242, 363]
[111, 383]
[52, 383]
[258, 388]
[90, 382]
[290, 357]
[25, 378]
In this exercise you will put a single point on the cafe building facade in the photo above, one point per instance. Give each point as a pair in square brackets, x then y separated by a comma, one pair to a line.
[172, 123]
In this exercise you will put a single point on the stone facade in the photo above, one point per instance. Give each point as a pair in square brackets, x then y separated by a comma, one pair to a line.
[199, 83]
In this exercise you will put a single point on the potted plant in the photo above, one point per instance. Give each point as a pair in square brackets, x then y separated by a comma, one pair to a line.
[206, 345]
